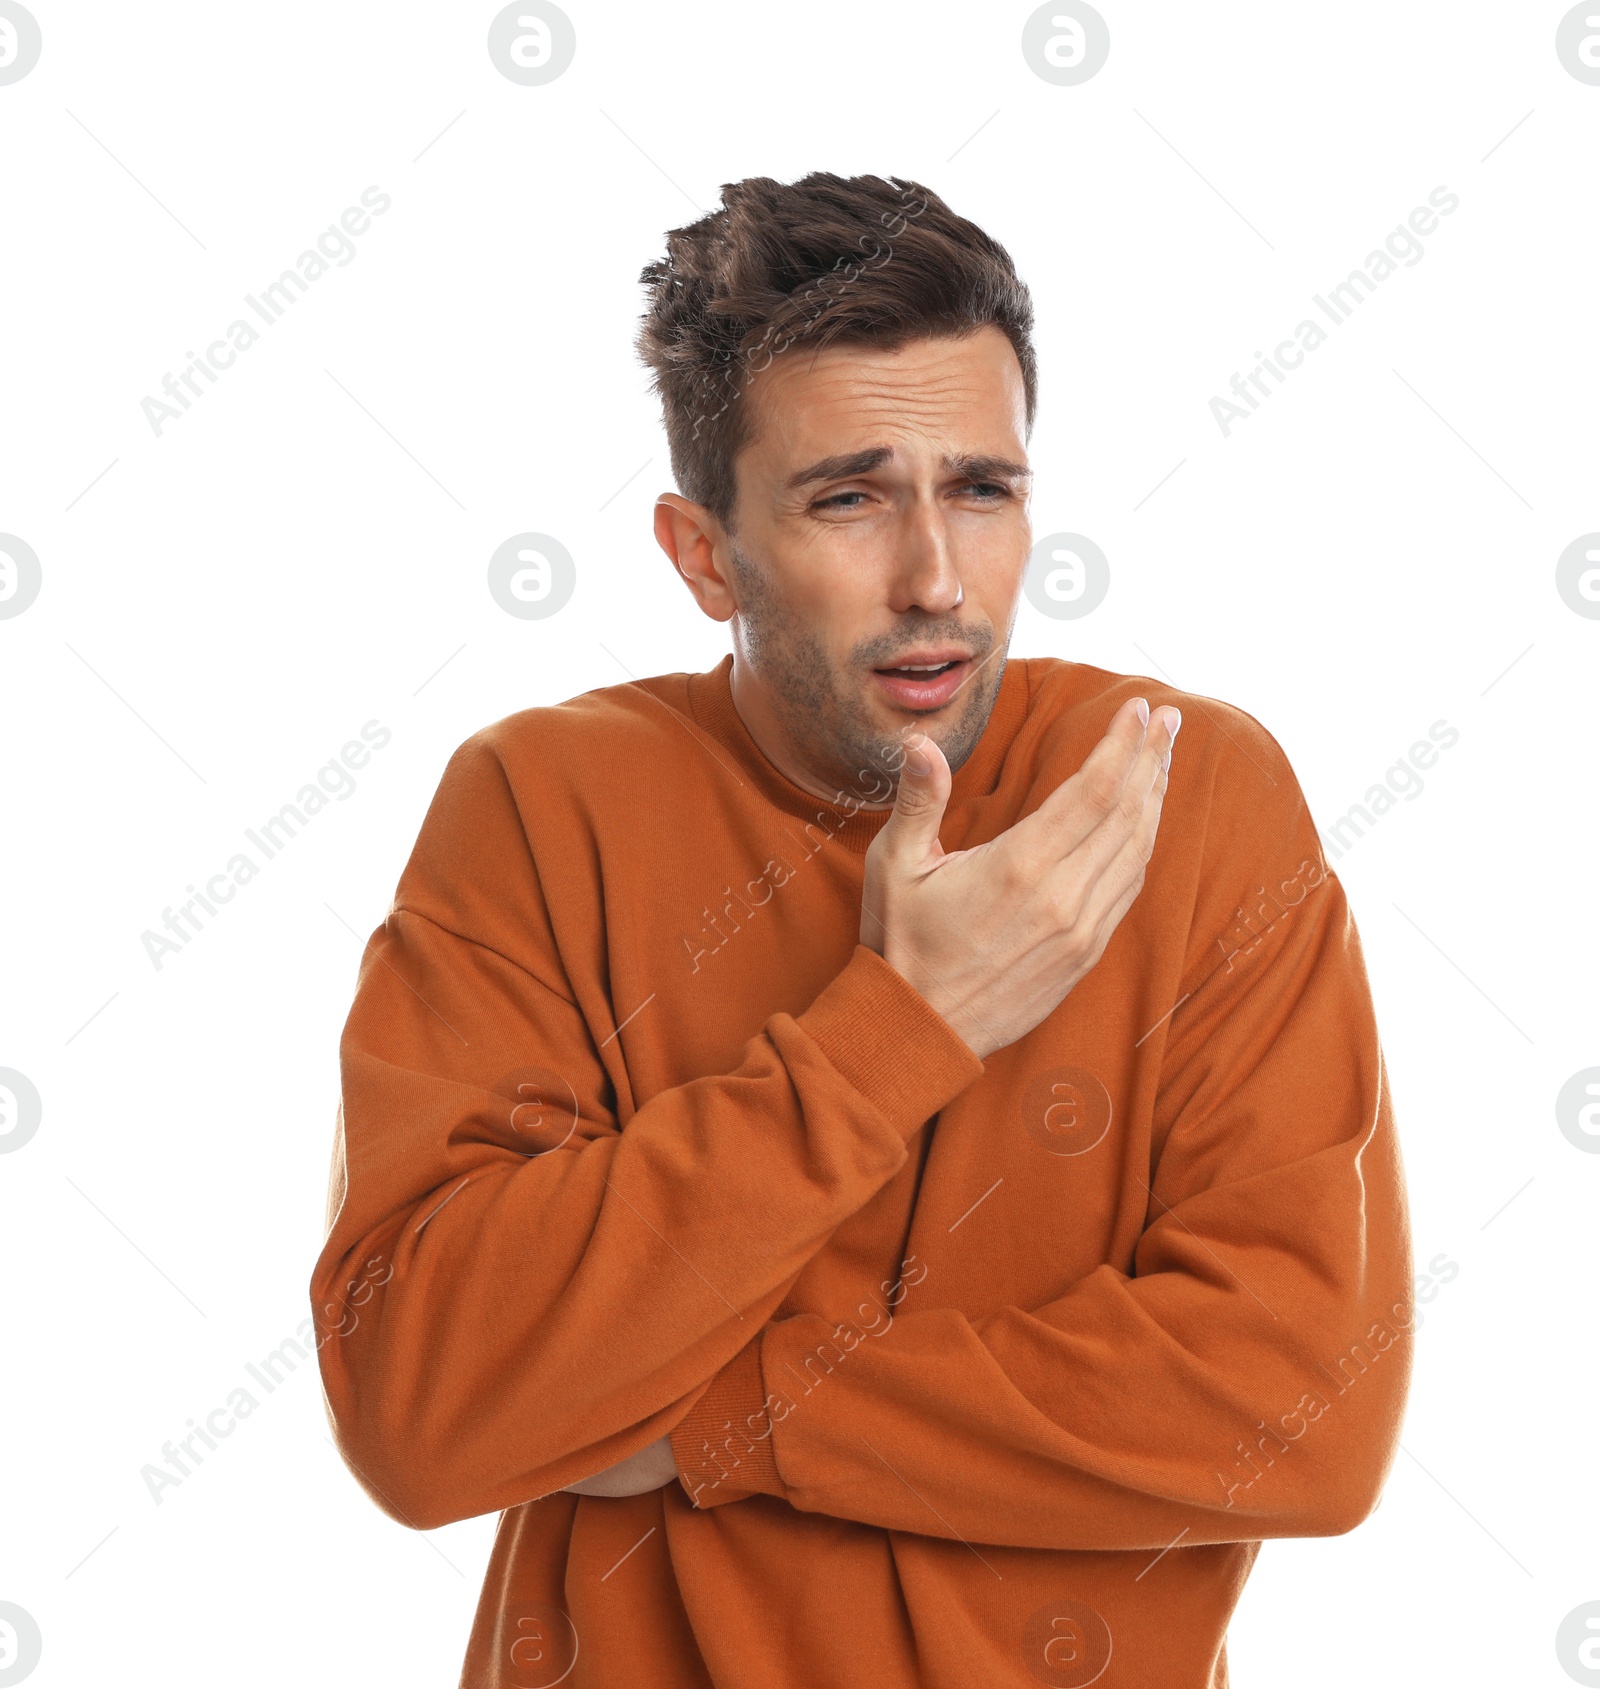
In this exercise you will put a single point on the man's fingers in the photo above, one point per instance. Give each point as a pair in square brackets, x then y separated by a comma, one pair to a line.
[1121, 877]
[1146, 782]
[1085, 821]
[1113, 916]
[1083, 801]
[1116, 850]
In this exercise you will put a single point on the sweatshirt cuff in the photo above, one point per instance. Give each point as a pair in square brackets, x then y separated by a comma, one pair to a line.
[884, 1036]
[723, 1446]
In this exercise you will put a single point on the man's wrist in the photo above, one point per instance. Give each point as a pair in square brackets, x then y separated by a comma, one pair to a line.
[885, 1037]
[950, 1008]
[723, 1445]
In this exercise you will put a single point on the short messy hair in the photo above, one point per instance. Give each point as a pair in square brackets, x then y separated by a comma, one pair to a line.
[863, 260]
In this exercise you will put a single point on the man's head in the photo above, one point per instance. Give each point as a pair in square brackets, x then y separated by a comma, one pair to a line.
[848, 382]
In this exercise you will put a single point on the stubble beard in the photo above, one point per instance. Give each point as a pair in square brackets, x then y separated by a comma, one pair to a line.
[824, 711]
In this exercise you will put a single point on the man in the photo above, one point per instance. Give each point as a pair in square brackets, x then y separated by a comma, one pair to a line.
[883, 1173]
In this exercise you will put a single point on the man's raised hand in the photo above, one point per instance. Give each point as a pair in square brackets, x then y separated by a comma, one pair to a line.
[996, 936]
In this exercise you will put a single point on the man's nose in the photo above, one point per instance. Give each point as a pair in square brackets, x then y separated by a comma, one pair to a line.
[925, 576]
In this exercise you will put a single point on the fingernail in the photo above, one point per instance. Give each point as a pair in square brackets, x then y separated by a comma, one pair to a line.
[1176, 723]
[917, 758]
[1142, 705]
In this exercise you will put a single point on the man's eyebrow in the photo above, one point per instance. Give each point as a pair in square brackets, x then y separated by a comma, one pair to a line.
[978, 467]
[839, 467]
[974, 466]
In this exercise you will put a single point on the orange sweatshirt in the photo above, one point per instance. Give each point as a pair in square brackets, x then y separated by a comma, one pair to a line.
[977, 1372]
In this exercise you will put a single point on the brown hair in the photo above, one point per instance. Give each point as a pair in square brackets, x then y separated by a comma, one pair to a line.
[826, 260]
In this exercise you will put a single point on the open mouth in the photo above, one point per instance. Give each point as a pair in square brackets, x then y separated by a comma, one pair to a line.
[921, 687]
[921, 672]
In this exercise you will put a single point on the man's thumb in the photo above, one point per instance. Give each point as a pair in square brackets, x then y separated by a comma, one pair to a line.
[919, 800]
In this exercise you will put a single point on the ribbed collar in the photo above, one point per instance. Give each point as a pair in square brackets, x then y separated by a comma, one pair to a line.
[711, 702]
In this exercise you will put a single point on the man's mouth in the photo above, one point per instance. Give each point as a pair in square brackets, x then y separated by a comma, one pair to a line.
[926, 681]
[919, 668]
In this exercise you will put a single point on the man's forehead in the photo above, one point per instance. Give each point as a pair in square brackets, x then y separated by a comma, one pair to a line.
[860, 400]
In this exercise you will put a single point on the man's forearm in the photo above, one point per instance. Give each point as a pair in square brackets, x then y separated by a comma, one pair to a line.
[647, 1273]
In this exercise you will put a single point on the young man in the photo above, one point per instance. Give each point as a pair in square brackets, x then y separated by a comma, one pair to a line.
[883, 1174]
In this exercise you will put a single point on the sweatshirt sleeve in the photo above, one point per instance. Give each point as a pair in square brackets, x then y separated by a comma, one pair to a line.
[516, 1289]
[1246, 1379]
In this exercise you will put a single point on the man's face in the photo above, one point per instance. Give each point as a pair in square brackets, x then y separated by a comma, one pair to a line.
[879, 539]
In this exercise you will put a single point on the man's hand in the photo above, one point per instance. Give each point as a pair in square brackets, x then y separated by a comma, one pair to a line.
[649, 1469]
[995, 937]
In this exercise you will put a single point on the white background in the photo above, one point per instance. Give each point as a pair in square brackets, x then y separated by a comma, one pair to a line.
[227, 603]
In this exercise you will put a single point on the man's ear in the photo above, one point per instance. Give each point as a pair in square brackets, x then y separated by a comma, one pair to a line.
[698, 545]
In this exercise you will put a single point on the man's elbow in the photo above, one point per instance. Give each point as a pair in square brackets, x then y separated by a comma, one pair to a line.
[425, 1467]
[414, 1463]
[1342, 1492]
[396, 1430]
[1339, 1513]
[399, 1473]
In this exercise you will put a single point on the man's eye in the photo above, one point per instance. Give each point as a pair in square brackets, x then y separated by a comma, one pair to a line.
[989, 489]
[836, 501]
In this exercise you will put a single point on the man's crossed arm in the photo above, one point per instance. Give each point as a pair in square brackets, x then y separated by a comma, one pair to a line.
[534, 1335]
